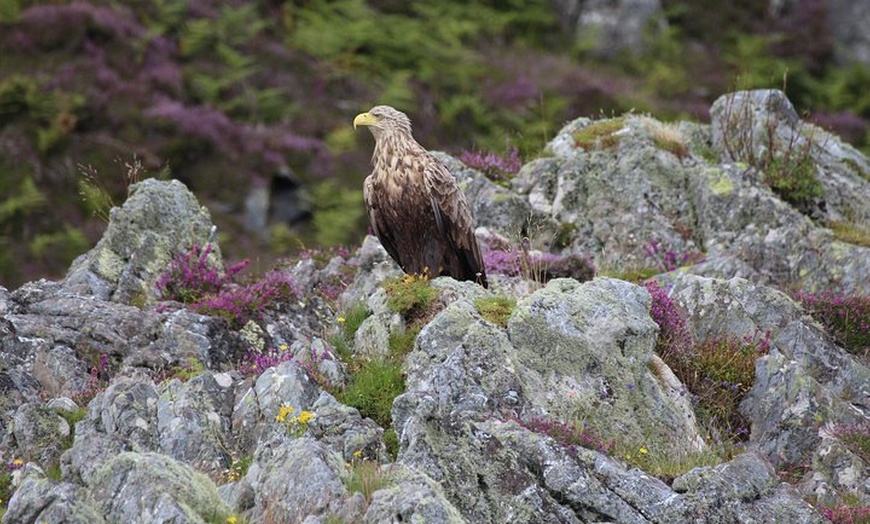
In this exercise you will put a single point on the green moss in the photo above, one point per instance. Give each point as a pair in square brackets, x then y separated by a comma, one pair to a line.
[635, 274]
[496, 310]
[792, 176]
[599, 135]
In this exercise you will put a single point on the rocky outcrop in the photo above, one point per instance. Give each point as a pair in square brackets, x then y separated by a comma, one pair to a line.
[121, 408]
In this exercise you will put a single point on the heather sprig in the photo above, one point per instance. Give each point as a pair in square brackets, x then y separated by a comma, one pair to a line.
[846, 514]
[569, 434]
[667, 259]
[98, 380]
[846, 317]
[856, 437]
[192, 280]
[191, 277]
[239, 304]
[499, 168]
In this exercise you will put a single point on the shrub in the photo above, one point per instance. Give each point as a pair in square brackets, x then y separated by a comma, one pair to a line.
[366, 476]
[204, 287]
[846, 317]
[569, 435]
[718, 372]
[856, 437]
[851, 233]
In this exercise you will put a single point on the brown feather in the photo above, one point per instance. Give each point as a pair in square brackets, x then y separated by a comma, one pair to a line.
[416, 207]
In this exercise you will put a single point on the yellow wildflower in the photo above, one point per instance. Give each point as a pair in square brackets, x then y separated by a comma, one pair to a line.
[643, 451]
[305, 417]
[341, 320]
[283, 347]
[232, 519]
[284, 412]
[17, 463]
[357, 453]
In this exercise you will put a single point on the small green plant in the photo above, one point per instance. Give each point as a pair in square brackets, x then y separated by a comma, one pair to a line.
[72, 418]
[349, 323]
[366, 476]
[666, 137]
[600, 134]
[496, 309]
[402, 342]
[192, 367]
[410, 295]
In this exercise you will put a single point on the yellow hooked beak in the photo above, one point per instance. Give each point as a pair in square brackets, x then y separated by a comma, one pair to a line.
[364, 119]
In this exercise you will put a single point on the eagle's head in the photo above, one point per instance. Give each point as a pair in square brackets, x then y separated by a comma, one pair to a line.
[384, 120]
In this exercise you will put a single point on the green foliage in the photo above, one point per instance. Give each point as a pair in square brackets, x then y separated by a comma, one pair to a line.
[72, 417]
[10, 11]
[350, 322]
[372, 389]
[599, 135]
[665, 464]
[63, 245]
[792, 176]
[847, 89]
[337, 211]
[27, 200]
[391, 442]
[846, 317]
[402, 342]
[410, 295]
[496, 309]
[191, 368]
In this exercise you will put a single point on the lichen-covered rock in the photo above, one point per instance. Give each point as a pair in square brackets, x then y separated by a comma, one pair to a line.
[40, 433]
[158, 220]
[38, 499]
[256, 406]
[410, 497]
[150, 488]
[296, 477]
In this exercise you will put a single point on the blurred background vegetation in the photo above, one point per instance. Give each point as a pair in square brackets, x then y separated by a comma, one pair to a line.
[250, 102]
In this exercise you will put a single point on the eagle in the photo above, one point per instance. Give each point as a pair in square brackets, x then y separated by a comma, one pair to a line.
[414, 204]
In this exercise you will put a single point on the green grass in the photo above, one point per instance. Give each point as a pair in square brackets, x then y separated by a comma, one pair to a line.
[496, 310]
[850, 233]
[666, 464]
[366, 477]
[372, 389]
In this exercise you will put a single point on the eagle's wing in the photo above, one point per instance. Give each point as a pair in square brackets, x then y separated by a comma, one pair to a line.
[452, 214]
[377, 220]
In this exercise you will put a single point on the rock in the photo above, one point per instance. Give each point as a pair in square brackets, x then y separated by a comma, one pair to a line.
[152, 488]
[38, 499]
[294, 478]
[609, 28]
[159, 220]
[410, 497]
[256, 406]
[40, 434]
